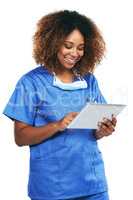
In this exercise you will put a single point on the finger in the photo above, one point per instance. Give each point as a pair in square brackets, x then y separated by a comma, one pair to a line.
[111, 129]
[101, 129]
[74, 114]
[106, 130]
[114, 120]
[107, 122]
[67, 121]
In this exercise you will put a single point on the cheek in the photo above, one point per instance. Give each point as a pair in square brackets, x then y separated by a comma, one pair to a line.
[60, 57]
[82, 53]
[62, 52]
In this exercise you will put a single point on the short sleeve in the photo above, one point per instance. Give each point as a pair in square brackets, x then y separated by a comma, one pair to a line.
[23, 102]
[98, 96]
[94, 95]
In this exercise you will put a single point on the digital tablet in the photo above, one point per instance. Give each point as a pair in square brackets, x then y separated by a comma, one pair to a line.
[93, 113]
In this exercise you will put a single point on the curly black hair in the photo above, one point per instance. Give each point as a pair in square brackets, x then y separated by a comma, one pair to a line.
[53, 28]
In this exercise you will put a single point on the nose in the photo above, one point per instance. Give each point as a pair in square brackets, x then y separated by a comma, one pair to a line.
[74, 52]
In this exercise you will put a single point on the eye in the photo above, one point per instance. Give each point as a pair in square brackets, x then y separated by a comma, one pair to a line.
[68, 46]
[81, 48]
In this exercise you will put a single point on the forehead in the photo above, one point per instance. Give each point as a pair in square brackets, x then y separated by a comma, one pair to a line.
[75, 36]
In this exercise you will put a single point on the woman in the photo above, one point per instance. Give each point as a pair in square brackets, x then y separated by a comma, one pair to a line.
[64, 163]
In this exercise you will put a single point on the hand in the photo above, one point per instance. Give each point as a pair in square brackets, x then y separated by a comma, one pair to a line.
[106, 127]
[63, 123]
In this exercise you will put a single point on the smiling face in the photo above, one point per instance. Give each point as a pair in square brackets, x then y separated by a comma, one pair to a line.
[72, 49]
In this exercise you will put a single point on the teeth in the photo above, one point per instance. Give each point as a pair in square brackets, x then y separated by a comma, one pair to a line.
[70, 60]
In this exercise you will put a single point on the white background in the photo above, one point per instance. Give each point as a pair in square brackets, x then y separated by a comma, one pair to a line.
[17, 25]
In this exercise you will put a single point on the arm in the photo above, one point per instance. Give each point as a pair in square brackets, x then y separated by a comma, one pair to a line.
[106, 127]
[29, 135]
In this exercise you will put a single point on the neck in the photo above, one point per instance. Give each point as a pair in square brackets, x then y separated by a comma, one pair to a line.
[66, 76]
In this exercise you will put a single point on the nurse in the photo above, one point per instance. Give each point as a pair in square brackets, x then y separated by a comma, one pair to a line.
[64, 163]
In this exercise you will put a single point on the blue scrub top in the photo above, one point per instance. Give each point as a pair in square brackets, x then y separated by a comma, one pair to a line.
[68, 164]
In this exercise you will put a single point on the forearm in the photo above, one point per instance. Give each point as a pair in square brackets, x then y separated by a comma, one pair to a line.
[33, 135]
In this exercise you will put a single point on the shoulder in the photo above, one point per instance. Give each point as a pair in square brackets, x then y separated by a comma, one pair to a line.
[34, 73]
[90, 78]
[33, 77]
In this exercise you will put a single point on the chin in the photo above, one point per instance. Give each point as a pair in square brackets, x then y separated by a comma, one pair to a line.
[68, 66]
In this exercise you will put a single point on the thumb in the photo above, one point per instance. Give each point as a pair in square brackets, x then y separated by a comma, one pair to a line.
[74, 114]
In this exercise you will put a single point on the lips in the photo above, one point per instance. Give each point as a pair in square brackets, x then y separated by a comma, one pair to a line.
[71, 60]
